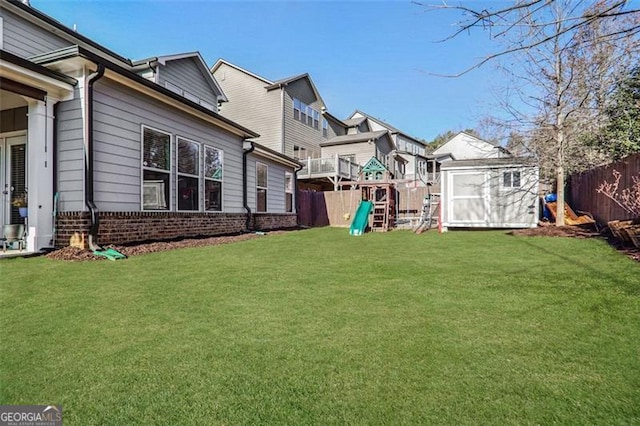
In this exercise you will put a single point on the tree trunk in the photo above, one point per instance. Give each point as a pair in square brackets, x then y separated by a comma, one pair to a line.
[560, 194]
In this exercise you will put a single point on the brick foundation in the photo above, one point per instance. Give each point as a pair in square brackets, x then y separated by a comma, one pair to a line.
[128, 227]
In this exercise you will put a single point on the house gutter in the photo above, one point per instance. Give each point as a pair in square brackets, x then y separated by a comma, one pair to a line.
[89, 154]
[245, 202]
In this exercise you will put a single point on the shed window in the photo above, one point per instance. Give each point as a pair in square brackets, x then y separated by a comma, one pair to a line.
[156, 169]
[511, 179]
[262, 181]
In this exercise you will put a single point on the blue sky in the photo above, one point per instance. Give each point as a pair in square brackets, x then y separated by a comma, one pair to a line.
[373, 56]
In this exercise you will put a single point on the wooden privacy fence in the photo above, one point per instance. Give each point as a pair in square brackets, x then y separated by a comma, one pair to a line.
[583, 189]
[330, 208]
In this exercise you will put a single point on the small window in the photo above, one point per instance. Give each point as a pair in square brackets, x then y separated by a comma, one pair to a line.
[188, 175]
[296, 108]
[303, 112]
[288, 191]
[156, 169]
[262, 172]
[511, 179]
[325, 128]
[212, 179]
[310, 112]
[316, 119]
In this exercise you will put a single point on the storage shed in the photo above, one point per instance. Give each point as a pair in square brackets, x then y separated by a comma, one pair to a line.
[489, 193]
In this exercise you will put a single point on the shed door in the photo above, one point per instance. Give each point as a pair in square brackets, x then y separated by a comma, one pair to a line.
[468, 204]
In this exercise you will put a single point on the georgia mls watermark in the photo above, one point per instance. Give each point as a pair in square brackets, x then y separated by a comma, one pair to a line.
[30, 415]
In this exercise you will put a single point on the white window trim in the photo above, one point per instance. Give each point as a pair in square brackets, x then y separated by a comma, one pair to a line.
[204, 186]
[511, 186]
[1, 34]
[143, 168]
[288, 191]
[266, 188]
[198, 176]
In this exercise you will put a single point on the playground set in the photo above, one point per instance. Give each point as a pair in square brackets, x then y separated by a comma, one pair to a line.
[377, 208]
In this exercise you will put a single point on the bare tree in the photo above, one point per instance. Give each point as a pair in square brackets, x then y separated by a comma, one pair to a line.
[564, 58]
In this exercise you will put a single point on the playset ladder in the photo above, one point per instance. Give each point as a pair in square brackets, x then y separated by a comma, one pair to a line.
[429, 215]
[380, 216]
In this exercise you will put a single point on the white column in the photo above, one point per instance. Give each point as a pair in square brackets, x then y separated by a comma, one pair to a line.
[40, 174]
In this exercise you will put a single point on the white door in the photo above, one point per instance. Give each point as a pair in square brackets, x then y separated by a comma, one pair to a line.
[469, 196]
[13, 177]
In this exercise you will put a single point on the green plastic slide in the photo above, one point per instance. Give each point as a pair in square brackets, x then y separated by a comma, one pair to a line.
[361, 219]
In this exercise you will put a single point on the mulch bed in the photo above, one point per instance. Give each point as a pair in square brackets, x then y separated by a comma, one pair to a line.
[78, 254]
[547, 229]
[544, 229]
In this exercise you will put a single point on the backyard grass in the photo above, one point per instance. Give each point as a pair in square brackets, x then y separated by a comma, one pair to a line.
[317, 327]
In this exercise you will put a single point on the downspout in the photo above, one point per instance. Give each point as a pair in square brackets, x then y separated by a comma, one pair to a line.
[283, 119]
[295, 188]
[88, 170]
[54, 170]
[245, 202]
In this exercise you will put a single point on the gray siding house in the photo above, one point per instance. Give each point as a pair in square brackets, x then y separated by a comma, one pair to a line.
[124, 151]
[289, 114]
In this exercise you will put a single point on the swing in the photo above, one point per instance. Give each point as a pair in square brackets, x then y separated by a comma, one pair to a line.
[346, 216]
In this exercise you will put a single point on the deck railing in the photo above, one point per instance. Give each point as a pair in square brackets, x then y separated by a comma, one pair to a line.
[329, 166]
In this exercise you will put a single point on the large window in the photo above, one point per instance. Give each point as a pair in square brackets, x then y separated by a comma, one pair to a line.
[212, 179]
[188, 175]
[307, 115]
[288, 191]
[156, 169]
[261, 187]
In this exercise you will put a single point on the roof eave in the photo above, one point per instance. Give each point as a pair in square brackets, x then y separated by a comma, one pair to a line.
[78, 51]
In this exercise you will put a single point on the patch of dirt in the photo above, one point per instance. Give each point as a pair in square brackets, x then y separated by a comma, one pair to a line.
[78, 254]
[547, 229]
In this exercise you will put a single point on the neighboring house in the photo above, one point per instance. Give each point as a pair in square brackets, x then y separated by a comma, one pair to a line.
[289, 114]
[129, 151]
[359, 148]
[464, 146]
[420, 169]
[489, 193]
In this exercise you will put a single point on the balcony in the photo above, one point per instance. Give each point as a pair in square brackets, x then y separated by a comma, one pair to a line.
[329, 167]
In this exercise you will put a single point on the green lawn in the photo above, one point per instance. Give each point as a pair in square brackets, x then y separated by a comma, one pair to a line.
[317, 327]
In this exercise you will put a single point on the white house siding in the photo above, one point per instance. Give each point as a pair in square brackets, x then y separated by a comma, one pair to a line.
[25, 39]
[251, 106]
[70, 155]
[119, 114]
[297, 132]
[465, 147]
[187, 75]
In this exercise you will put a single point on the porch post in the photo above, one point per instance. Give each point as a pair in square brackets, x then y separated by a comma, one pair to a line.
[40, 173]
